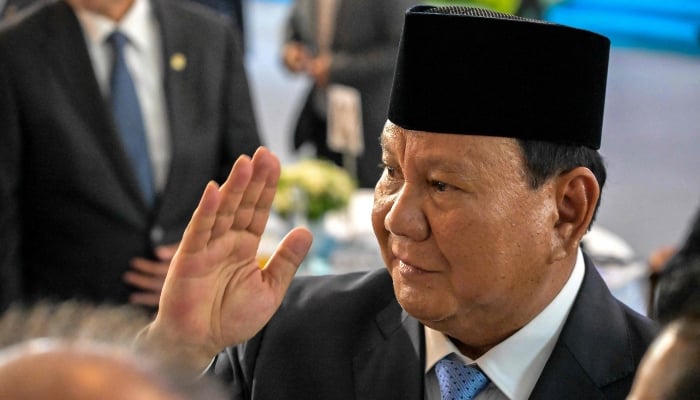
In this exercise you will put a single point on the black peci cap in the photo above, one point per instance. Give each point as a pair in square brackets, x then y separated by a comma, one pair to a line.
[473, 71]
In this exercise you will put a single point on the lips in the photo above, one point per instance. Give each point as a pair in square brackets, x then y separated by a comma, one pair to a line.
[407, 268]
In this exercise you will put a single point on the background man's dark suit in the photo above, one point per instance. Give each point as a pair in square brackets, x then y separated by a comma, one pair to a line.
[71, 216]
[233, 9]
[342, 338]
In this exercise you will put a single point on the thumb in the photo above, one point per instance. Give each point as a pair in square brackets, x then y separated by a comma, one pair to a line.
[284, 263]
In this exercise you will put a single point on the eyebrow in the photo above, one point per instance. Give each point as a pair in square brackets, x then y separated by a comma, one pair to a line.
[451, 167]
[383, 142]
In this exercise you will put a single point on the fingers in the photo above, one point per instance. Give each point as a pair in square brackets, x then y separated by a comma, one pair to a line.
[295, 56]
[284, 263]
[145, 299]
[149, 283]
[262, 208]
[146, 274]
[254, 208]
[200, 227]
[166, 252]
[233, 204]
[658, 259]
[247, 194]
[232, 192]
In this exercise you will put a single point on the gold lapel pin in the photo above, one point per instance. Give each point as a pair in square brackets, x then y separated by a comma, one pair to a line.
[178, 61]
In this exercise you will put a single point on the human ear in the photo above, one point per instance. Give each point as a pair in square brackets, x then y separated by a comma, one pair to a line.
[577, 192]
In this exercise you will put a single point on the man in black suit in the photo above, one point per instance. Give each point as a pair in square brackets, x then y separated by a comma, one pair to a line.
[74, 223]
[491, 177]
[234, 10]
[350, 43]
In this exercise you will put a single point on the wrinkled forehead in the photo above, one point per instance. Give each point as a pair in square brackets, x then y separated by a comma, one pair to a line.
[449, 152]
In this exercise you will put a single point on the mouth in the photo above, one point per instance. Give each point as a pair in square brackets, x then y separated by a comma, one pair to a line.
[408, 269]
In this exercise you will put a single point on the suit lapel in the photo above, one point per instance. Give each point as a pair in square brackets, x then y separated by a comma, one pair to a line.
[385, 369]
[75, 69]
[179, 47]
[595, 322]
[564, 375]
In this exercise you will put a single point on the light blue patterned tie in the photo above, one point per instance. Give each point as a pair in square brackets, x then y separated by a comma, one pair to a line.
[459, 381]
[126, 111]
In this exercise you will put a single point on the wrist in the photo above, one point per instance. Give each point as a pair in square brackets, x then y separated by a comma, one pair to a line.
[156, 340]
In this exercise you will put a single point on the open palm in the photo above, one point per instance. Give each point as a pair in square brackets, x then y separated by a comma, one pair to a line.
[215, 294]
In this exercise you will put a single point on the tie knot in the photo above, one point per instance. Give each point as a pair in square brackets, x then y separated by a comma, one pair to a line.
[459, 381]
[117, 40]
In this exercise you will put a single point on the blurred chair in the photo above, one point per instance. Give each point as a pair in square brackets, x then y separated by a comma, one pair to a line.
[624, 272]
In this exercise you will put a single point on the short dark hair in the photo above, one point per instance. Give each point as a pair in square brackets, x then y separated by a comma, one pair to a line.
[678, 286]
[677, 289]
[544, 160]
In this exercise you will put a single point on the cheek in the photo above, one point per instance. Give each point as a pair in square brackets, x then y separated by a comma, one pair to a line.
[378, 215]
[503, 251]
[380, 209]
[486, 252]
[475, 257]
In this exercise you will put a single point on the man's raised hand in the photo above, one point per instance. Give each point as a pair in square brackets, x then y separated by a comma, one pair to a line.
[215, 294]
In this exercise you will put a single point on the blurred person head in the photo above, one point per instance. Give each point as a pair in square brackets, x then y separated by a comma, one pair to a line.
[677, 287]
[492, 174]
[79, 351]
[670, 369]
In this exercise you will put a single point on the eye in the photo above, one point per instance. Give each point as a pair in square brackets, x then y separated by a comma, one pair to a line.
[439, 186]
[390, 171]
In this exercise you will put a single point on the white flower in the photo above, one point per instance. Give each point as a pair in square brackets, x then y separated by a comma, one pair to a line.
[313, 187]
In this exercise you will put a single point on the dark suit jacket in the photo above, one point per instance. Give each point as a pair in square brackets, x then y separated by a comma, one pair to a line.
[364, 50]
[233, 9]
[345, 337]
[71, 215]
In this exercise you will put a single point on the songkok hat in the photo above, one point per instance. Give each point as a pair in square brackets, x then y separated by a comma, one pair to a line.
[467, 70]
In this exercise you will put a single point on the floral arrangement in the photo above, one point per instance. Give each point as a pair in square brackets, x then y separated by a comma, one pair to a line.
[311, 188]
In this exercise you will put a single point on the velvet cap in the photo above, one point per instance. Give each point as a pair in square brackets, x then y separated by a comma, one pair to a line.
[467, 70]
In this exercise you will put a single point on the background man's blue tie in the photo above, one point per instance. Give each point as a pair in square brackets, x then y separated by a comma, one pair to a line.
[126, 111]
[459, 381]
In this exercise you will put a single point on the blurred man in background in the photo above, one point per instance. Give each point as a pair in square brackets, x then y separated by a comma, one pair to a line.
[348, 43]
[116, 113]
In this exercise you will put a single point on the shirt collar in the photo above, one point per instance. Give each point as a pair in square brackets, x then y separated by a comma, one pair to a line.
[515, 364]
[133, 25]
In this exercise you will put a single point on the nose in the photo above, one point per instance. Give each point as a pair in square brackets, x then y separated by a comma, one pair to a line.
[406, 217]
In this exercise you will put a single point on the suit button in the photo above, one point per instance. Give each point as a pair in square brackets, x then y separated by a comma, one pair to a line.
[157, 234]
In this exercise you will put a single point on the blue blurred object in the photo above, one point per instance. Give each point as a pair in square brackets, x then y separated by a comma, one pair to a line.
[689, 8]
[670, 25]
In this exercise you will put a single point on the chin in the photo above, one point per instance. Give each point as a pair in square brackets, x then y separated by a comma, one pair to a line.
[423, 305]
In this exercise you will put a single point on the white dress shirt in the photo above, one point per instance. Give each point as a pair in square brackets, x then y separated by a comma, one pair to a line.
[514, 365]
[143, 55]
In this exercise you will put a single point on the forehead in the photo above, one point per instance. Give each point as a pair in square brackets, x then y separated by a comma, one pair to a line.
[445, 148]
